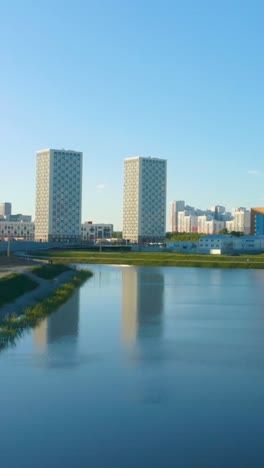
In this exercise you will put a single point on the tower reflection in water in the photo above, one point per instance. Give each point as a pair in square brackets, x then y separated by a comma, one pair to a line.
[142, 303]
[142, 327]
[61, 327]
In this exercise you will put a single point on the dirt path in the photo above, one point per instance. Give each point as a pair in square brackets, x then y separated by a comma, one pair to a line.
[10, 265]
[45, 289]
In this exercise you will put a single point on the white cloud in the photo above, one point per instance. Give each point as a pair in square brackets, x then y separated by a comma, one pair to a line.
[100, 186]
[254, 172]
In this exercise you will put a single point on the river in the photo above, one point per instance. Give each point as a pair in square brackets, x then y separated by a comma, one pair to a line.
[142, 367]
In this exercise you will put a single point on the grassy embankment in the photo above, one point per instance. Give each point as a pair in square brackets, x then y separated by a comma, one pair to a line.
[50, 271]
[14, 285]
[155, 259]
[13, 326]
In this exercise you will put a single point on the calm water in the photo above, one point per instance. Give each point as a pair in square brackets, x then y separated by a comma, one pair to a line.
[143, 367]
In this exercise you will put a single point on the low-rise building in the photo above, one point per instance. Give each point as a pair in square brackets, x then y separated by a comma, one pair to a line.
[17, 230]
[221, 243]
[228, 243]
[92, 232]
[182, 246]
[19, 217]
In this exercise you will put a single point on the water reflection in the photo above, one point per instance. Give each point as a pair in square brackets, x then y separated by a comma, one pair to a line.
[186, 392]
[61, 326]
[142, 303]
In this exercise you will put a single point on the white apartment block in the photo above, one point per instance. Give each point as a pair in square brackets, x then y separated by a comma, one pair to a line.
[191, 223]
[90, 231]
[18, 230]
[241, 220]
[58, 195]
[187, 222]
[214, 226]
[144, 210]
[175, 207]
[230, 225]
[202, 220]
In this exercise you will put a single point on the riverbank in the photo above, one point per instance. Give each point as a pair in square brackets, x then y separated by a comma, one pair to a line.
[14, 285]
[154, 259]
[12, 264]
[29, 308]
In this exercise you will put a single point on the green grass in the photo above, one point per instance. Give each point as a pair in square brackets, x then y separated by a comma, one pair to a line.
[156, 259]
[13, 327]
[50, 271]
[14, 285]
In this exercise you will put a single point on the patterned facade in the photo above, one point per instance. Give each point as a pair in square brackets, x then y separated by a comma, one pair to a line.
[144, 211]
[58, 196]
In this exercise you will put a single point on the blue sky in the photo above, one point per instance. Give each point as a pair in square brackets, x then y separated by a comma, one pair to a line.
[180, 80]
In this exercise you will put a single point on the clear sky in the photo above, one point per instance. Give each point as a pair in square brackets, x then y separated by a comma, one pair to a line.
[181, 80]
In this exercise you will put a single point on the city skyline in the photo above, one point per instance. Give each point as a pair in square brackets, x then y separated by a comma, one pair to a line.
[189, 91]
[176, 207]
[101, 192]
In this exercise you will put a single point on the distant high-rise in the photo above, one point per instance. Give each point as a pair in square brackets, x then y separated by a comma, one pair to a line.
[219, 212]
[5, 209]
[242, 220]
[144, 212]
[175, 207]
[58, 195]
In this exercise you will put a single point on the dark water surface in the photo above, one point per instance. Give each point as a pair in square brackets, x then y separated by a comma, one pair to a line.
[143, 367]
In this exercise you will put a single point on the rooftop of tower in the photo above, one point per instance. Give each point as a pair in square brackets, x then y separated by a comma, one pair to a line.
[61, 150]
[145, 157]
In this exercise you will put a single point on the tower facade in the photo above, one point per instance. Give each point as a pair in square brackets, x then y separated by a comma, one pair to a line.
[257, 221]
[144, 210]
[58, 196]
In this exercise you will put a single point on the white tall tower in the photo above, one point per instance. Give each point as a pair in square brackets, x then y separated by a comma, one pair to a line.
[175, 207]
[144, 212]
[58, 195]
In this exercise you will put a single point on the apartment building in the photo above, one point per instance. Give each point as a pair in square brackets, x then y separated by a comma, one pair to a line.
[144, 209]
[58, 195]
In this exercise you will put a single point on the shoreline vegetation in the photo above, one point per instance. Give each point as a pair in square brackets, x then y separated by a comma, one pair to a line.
[153, 259]
[14, 325]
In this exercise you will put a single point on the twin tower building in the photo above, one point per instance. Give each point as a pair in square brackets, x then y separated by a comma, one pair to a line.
[59, 197]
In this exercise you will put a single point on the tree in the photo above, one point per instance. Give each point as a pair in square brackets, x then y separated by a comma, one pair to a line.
[117, 234]
[224, 231]
[237, 233]
[184, 236]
